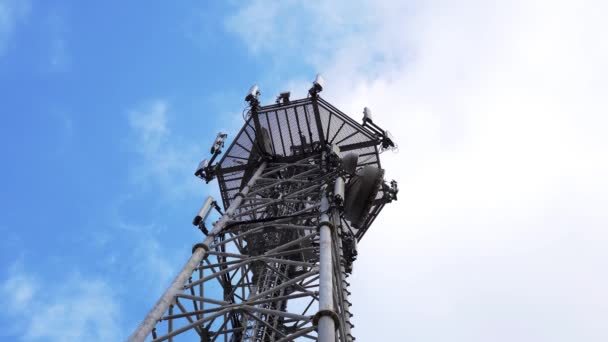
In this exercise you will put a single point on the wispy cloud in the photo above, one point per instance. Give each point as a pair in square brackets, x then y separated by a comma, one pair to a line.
[77, 309]
[12, 12]
[59, 58]
[158, 263]
[19, 286]
[150, 123]
[163, 160]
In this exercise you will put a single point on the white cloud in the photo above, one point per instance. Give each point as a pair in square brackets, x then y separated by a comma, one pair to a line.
[11, 13]
[151, 123]
[165, 161]
[78, 309]
[59, 56]
[158, 264]
[20, 287]
[499, 109]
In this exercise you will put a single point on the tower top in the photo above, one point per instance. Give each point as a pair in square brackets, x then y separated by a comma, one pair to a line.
[292, 129]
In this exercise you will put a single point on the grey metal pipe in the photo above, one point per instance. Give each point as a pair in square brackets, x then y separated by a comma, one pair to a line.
[345, 294]
[339, 191]
[327, 331]
[177, 286]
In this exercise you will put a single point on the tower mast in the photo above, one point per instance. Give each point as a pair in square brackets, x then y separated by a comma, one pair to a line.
[301, 184]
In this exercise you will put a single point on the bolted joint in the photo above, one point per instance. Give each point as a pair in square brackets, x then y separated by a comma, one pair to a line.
[330, 313]
[325, 222]
[200, 245]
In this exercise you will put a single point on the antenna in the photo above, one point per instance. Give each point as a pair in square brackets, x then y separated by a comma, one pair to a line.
[205, 170]
[386, 138]
[317, 85]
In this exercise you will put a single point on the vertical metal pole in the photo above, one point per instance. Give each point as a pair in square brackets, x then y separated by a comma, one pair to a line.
[339, 188]
[177, 286]
[327, 330]
[345, 296]
[201, 289]
[170, 328]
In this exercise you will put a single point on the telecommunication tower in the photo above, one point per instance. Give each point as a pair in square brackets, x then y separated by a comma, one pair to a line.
[301, 184]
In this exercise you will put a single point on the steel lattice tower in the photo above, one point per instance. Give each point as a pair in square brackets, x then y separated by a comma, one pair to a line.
[301, 184]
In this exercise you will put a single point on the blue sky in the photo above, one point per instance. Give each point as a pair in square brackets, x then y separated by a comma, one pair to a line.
[499, 111]
[97, 197]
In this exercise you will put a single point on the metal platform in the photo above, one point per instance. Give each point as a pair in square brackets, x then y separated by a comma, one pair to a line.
[293, 130]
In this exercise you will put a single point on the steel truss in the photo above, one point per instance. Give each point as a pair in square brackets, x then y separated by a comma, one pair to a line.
[273, 268]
